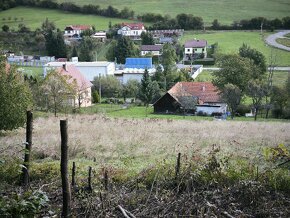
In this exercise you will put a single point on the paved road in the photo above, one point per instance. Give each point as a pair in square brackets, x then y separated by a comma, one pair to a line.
[271, 40]
[275, 68]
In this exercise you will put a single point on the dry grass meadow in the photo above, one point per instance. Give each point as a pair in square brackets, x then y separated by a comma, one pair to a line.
[137, 143]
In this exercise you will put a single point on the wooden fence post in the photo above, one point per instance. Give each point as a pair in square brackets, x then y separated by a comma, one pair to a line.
[177, 166]
[25, 169]
[66, 192]
[90, 180]
[73, 181]
[106, 180]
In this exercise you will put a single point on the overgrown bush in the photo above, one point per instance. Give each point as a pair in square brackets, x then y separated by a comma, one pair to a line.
[23, 205]
[242, 110]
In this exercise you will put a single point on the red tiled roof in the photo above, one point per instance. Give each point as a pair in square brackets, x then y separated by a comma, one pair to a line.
[75, 74]
[134, 26]
[195, 44]
[204, 91]
[79, 27]
[151, 47]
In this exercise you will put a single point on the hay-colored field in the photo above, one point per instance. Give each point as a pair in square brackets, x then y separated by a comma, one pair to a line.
[226, 11]
[136, 143]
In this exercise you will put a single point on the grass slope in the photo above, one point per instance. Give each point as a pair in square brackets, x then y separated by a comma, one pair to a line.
[231, 41]
[279, 77]
[226, 11]
[33, 18]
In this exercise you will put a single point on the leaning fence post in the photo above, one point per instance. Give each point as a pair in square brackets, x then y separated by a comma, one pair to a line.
[64, 170]
[28, 144]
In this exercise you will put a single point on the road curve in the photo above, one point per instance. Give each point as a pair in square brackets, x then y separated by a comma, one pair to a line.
[271, 40]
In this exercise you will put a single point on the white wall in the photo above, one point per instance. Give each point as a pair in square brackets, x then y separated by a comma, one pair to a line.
[154, 53]
[89, 71]
[209, 110]
[196, 50]
[130, 76]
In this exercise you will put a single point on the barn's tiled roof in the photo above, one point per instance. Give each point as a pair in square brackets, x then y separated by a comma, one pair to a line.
[205, 92]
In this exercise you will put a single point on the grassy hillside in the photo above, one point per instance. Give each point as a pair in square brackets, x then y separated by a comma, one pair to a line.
[231, 41]
[226, 11]
[279, 77]
[33, 18]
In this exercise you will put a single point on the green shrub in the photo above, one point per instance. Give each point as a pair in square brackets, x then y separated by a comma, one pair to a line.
[26, 205]
[95, 97]
[243, 109]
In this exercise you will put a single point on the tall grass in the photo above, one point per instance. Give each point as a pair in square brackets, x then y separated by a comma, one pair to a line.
[134, 143]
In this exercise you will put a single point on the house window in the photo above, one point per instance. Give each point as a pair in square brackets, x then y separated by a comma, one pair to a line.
[195, 49]
[188, 49]
[203, 49]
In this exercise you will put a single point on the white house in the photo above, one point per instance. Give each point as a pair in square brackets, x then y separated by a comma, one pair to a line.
[195, 49]
[132, 30]
[154, 50]
[90, 70]
[75, 30]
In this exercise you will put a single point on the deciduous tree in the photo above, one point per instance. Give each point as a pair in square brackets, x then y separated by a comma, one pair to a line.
[58, 92]
[256, 90]
[235, 70]
[15, 97]
[232, 95]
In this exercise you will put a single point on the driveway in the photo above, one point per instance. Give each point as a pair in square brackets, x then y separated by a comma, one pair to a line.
[271, 40]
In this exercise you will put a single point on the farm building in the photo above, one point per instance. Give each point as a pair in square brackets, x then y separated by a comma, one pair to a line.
[89, 69]
[192, 97]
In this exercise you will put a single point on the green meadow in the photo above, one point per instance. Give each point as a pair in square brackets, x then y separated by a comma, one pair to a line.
[33, 18]
[279, 77]
[226, 11]
[231, 41]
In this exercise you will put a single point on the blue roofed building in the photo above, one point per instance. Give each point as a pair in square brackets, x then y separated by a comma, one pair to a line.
[139, 63]
[134, 69]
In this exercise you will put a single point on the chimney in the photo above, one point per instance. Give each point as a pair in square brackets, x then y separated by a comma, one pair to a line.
[203, 88]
